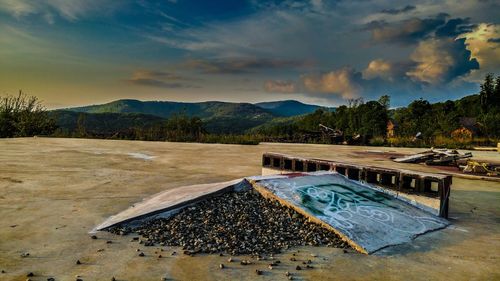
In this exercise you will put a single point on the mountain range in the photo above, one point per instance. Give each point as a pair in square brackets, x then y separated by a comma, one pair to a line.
[218, 117]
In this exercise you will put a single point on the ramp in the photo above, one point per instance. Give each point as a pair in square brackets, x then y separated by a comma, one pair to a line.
[169, 202]
[367, 218]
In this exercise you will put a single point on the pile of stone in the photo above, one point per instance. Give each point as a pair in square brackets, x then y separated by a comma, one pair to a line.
[235, 223]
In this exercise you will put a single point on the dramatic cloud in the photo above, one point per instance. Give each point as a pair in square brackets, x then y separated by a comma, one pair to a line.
[342, 82]
[483, 45]
[159, 79]
[404, 32]
[440, 60]
[280, 86]
[398, 11]
[455, 27]
[240, 65]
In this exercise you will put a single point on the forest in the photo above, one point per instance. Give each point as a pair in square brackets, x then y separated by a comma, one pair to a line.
[469, 121]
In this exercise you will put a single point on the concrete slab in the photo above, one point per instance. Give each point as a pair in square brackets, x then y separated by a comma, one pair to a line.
[52, 191]
[365, 217]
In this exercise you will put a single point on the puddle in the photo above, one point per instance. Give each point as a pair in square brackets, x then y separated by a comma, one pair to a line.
[141, 156]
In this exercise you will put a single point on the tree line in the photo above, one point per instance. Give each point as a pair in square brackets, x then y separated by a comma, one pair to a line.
[357, 122]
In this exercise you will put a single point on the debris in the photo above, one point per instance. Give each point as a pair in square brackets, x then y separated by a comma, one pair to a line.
[435, 157]
[474, 167]
[260, 226]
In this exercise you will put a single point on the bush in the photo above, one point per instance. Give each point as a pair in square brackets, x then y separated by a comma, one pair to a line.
[24, 116]
[377, 141]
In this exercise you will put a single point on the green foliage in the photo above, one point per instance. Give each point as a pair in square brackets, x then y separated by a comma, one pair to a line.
[24, 116]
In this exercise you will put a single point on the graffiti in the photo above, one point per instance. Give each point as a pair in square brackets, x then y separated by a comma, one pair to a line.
[370, 218]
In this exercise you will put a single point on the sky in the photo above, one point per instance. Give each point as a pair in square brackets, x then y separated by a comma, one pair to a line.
[79, 52]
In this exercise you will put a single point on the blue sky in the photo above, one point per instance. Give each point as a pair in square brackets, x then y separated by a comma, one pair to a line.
[92, 51]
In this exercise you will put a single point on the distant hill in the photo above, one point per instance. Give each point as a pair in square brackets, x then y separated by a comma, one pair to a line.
[219, 117]
[102, 124]
[287, 108]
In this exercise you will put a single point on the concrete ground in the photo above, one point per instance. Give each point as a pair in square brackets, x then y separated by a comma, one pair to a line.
[53, 191]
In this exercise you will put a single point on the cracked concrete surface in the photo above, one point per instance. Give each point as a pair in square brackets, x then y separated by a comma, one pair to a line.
[53, 191]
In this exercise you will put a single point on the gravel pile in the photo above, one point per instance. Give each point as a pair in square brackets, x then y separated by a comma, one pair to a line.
[235, 223]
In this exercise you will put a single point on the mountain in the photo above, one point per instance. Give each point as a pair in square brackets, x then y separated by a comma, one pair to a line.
[287, 108]
[219, 117]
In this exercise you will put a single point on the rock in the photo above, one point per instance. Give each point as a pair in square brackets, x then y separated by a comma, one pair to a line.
[230, 260]
[100, 250]
[298, 267]
[93, 237]
[309, 266]
[109, 242]
[293, 259]
[212, 226]
[221, 266]
[25, 255]
[113, 278]
[245, 262]
[31, 274]
[287, 273]
[141, 254]
[258, 272]
[78, 262]
[51, 279]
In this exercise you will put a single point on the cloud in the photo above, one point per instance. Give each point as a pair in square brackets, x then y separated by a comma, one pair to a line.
[405, 9]
[482, 42]
[342, 82]
[404, 32]
[455, 27]
[240, 65]
[387, 70]
[159, 79]
[69, 10]
[280, 86]
[378, 68]
[440, 60]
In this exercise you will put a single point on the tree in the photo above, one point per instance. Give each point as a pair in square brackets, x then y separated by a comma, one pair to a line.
[385, 101]
[487, 93]
[24, 116]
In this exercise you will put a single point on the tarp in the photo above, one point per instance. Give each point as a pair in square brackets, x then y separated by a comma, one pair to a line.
[366, 217]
